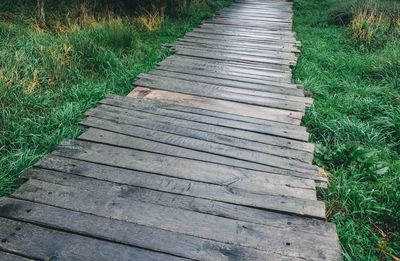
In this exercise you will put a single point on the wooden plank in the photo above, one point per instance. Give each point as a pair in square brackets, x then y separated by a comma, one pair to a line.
[212, 104]
[270, 62]
[128, 233]
[197, 200]
[242, 85]
[246, 96]
[209, 117]
[131, 142]
[267, 91]
[237, 49]
[247, 29]
[193, 143]
[131, 102]
[120, 204]
[271, 47]
[262, 85]
[228, 194]
[243, 33]
[162, 132]
[47, 244]
[241, 36]
[208, 172]
[220, 73]
[202, 126]
[199, 65]
[202, 131]
[261, 53]
[231, 65]
[219, 105]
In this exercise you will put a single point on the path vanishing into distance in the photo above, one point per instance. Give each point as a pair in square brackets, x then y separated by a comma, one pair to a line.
[204, 160]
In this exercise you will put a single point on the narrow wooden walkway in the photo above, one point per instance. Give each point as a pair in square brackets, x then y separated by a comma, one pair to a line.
[206, 160]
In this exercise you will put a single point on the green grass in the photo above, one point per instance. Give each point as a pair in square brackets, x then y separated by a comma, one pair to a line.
[48, 78]
[355, 123]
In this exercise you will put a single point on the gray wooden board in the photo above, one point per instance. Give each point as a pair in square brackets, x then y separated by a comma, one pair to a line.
[206, 134]
[119, 203]
[127, 233]
[220, 193]
[4, 256]
[199, 150]
[265, 91]
[225, 66]
[216, 91]
[270, 25]
[233, 31]
[260, 61]
[247, 29]
[176, 111]
[47, 244]
[248, 37]
[259, 67]
[241, 83]
[261, 88]
[178, 136]
[237, 49]
[208, 172]
[204, 144]
[255, 16]
[266, 18]
[270, 47]
[133, 102]
[228, 195]
[135, 117]
[195, 200]
[259, 55]
[238, 77]
[250, 89]
[222, 73]
[219, 105]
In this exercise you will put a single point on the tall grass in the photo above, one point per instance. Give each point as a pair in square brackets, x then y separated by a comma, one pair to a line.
[50, 76]
[355, 124]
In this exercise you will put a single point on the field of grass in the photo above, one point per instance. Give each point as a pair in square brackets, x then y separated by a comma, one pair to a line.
[50, 76]
[355, 123]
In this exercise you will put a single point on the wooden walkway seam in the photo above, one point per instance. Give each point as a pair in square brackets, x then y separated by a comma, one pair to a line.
[205, 159]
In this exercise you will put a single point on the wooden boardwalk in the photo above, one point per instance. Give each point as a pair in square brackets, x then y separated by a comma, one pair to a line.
[205, 160]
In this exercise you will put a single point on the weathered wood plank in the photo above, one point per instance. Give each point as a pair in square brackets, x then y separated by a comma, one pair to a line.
[250, 69]
[119, 203]
[190, 169]
[165, 133]
[261, 61]
[200, 202]
[222, 118]
[237, 50]
[271, 138]
[228, 194]
[47, 244]
[219, 105]
[209, 117]
[220, 73]
[251, 97]
[193, 149]
[128, 233]
[295, 100]
[193, 143]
